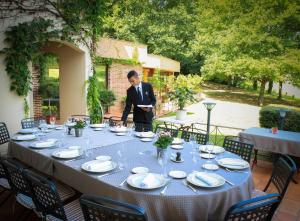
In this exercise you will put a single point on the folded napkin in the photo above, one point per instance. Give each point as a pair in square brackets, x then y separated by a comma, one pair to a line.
[25, 137]
[207, 179]
[68, 153]
[148, 180]
[99, 165]
[47, 143]
[97, 125]
[234, 162]
[148, 134]
[120, 129]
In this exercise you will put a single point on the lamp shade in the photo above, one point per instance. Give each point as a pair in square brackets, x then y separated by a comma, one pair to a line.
[209, 105]
[282, 112]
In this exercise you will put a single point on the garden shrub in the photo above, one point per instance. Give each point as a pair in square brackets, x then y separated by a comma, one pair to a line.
[269, 117]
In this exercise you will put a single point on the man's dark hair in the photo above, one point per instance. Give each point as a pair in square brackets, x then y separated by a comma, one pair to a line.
[132, 73]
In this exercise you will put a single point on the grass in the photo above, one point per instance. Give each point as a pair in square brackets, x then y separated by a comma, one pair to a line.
[222, 92]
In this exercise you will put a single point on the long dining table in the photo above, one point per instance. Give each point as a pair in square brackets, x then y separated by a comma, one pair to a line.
[178, 203]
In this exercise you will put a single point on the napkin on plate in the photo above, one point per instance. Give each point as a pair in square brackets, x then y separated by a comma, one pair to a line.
[120, 129]
[233, 162]
[68, 153]
[100, 165]
[148, 134]
[177, 140]
[25, 137]
[207, 179]
[148, 180]
[47, 143]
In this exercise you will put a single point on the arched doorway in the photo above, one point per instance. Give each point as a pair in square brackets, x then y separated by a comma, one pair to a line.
[73, 73]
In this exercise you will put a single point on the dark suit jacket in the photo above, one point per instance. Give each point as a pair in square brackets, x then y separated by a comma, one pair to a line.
[132, 99]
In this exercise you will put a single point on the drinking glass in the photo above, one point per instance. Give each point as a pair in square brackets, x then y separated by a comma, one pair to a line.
[52, 120]
[162, 160]
[209, 149]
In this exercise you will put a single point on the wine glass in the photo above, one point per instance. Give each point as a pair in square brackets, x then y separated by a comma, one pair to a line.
[52, 120]
[87, 121]
[162, 161]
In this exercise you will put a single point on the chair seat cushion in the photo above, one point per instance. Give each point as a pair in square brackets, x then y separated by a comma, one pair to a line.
[73, 212]
[25, 201]
[64, 191]
[257, 193]
[4, 183]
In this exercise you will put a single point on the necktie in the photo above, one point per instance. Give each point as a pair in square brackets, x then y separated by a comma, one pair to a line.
[140, 98]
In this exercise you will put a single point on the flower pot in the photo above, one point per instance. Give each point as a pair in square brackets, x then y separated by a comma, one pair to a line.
[274, 130]
[49, 117]
[78, 132]
[181, 114]
[161, 152]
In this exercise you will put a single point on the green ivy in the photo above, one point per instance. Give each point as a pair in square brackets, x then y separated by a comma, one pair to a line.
[93, 102]
[109, 61]
[26, 108]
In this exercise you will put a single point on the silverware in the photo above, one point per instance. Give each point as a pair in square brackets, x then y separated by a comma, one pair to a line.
[106, 174]
[122, 183]
[189, 186]
[238, 171]
[230, 183]
[165, 188]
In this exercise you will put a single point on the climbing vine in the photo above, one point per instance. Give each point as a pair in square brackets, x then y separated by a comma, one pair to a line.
[93, 103]
[109, 61]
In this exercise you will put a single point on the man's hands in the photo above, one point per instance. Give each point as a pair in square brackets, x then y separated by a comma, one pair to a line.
[146, 109]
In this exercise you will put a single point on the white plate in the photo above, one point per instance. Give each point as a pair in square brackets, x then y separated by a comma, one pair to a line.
[98, 166]
[215, 149]
[177, 141]
[24, 137]
[136, 180]
[148, 134]
[210, 166]
[195, 181]
[176, 147]
[103, 158]
[118, 129]
[173, 158]
[207, 155]
[98, 129]
[146, 139]
[140, 170]
[177, 174]
[70, 124]
[67, 153]
[28, 131]
[233, 163]
[44, 144]
[120, 134]
[97, 125]
[59, 128]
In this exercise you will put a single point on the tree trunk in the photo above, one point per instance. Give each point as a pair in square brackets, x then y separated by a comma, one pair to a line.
[262, 92]
[280, 91]
[270, 87]
[254, 85]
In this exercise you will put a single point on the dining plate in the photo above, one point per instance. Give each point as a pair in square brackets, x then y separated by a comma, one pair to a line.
[120, 134]
[176, 147]
[148, 134]
[97, 125]
[210, 166]
[173, 158]
[59, 128]
[68, 153]
[207, 180]
[177, 174]
[103, 158]
[44, 144]
[72, 124]
[177, 141]
[233, 163]
[207, 155]
[98, 166]
[146, 181]
[24, 137]
[215, 149]
[98, 129]
[118, 129]
[28, 131]
[146, 139]
[140, 170]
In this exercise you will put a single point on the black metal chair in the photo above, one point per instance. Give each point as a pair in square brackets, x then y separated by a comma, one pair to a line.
[48, 200]
[167, 127]
[200, 137]
[4, 184]
[4, 134]
[258, 209]
[240, 147]
[100, 208]
[141, 127]
[30, 122]
[282, 174]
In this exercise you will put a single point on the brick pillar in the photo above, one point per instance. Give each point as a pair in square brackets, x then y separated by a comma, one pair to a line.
[37, 100]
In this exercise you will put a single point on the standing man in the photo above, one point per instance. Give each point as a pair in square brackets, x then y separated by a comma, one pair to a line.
[140, 93]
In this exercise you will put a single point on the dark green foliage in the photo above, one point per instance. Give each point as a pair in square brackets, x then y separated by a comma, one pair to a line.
[107, 98]
[269, 117]
[93, 102]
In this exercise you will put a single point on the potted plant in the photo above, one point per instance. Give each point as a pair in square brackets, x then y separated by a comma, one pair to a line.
[107, 98]
[79, 126]
[49, 112]
[163, 141]
[274, 129]
[182, 96]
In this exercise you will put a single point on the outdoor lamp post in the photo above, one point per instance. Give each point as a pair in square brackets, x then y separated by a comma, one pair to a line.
[282, 113]
[209, 106]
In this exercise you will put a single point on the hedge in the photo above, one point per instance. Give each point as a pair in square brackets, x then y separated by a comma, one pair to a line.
[269, 117]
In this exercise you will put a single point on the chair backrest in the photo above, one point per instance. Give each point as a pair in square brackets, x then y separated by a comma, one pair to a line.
[45, 196]
[2, 171]
[104, 209]
[240, 147]
[167, 127]
[4, 135]
[30, 122]
[16, 177]
[283, 171]
[260, 208]
[200, 137]
[140, 127]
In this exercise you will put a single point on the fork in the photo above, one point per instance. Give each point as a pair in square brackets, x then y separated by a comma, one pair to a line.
[122, 183]
[165, 188]
[238, 171]
[106, 174]
[189, 186]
